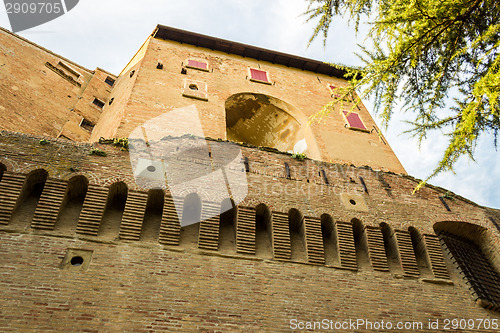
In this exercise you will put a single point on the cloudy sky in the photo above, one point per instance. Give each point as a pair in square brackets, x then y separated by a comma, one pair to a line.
[107, 33]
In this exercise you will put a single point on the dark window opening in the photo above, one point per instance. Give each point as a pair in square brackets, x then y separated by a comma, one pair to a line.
[64, 137]
[297, 236]
[87, 125]
[2, 170]
[98, 103]
[110, 81]
[329, 240]
[68, 70]
[111, 100]
[191, 216]
[360, 242]
[227, 229]
[325, 178]
[263, 247]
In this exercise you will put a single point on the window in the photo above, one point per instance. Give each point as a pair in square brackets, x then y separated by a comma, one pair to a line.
[195, 89]
[354, 121]
[258, 75]
[68, 70]
[98, 103]
[476, 268]
[197, 65]
[87, 125]
[333, 90]
[110, 81]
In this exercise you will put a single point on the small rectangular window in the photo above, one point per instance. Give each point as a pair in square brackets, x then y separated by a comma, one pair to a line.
[259, 76]
[197, 65]
[87, 125]
[354, 121]
[98, 103]
[110, 81]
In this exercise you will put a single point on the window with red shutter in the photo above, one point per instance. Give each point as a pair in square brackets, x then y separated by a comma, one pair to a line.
[333, 90]
[259, 76]
[354, 121]
[195, 64]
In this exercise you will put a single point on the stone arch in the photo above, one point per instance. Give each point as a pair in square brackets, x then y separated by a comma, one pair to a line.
[297, 235]
[267, 121]
[474, 250]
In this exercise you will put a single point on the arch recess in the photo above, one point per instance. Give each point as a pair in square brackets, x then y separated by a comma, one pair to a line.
[266, 121]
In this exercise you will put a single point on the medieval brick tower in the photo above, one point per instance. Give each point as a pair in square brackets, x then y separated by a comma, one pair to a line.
[95, 238]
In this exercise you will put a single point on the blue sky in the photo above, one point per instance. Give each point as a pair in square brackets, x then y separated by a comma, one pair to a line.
[107, 33]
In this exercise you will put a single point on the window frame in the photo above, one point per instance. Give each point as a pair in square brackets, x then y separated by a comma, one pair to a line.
[348, 124]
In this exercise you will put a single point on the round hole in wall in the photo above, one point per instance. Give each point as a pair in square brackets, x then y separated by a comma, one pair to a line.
[193, 87]
[77, 261]
[151, 168]
[352, 202]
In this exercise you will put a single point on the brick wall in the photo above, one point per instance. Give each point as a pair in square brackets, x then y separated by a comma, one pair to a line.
[198, 278]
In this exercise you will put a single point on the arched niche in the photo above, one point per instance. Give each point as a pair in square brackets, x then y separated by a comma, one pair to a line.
[266, 121]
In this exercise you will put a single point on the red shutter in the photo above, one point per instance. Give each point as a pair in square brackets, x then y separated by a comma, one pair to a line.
[258, 75]
[354, 120]
[197, 64]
